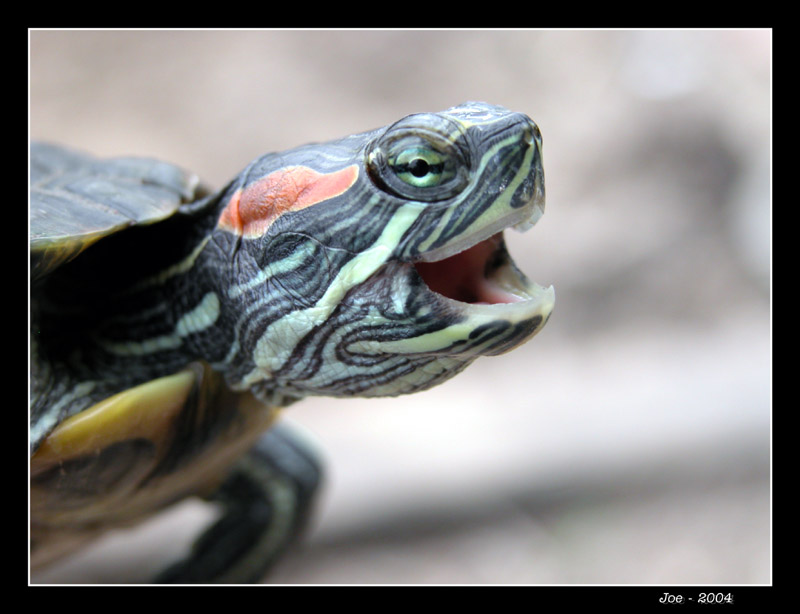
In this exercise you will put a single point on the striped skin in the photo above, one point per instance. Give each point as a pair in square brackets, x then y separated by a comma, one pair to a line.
[369, 266]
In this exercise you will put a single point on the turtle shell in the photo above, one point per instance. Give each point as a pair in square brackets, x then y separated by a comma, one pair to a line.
[120, 458]
[76, 199]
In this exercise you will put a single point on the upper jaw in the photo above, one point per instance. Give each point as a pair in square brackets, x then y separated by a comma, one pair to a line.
[521, 220]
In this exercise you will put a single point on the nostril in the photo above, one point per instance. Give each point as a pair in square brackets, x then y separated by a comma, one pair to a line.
[532, 136]
[528, 136]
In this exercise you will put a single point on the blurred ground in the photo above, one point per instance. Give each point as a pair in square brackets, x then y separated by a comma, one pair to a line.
[630, 441]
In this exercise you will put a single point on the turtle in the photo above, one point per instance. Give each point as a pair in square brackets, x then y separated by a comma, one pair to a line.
[170, 324]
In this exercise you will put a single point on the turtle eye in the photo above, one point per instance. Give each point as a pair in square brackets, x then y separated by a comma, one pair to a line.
[421, 167]
[419, 163]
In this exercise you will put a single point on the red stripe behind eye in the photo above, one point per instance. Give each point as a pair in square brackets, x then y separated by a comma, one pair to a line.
[250, 212]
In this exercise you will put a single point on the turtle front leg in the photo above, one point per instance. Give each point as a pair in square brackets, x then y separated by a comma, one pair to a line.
[267, 499]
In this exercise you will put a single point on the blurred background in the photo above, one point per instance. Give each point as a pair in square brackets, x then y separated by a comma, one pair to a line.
[630, 441]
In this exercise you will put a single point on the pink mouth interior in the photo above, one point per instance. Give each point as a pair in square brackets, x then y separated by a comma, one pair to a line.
[462, 277]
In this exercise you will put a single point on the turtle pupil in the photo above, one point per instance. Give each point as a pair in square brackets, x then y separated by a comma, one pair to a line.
[418, 167]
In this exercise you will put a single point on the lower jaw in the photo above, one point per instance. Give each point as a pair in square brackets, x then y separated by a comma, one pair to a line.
[475, 303]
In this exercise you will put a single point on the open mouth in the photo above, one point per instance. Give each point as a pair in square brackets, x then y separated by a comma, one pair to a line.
[459, 300]
[484, 279]
[480, 275]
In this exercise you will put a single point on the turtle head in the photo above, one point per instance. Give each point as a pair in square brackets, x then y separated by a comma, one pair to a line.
[375, 265]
